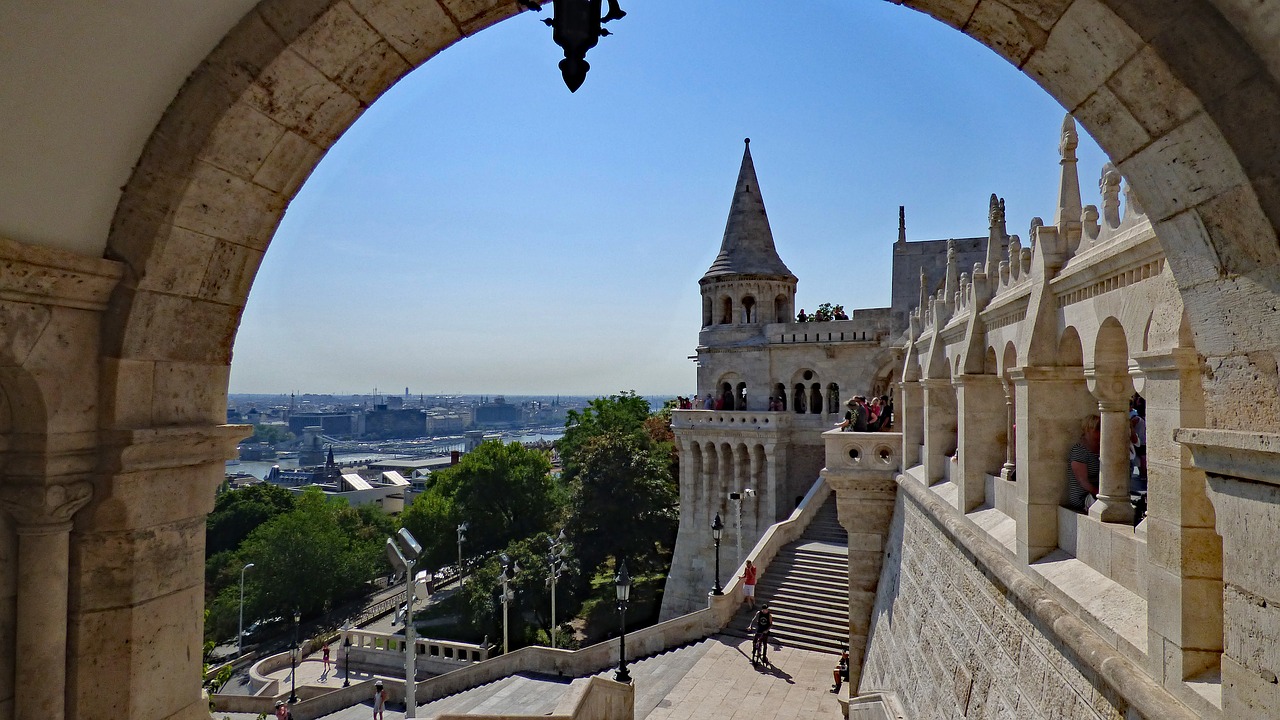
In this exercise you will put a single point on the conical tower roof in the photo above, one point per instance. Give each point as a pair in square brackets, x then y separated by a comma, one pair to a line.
[747, 247]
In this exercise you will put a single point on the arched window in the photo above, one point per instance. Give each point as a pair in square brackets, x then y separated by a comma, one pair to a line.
[741, 402]
[726, 396]
[780, 396]
[726, 311]
[815, 398]
[799, 399]
[706, 311]
[748, 309]
[833, 399]
[781, 309]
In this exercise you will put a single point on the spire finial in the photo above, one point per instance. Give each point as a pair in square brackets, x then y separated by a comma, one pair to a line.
[746, 141]
[1069, 208]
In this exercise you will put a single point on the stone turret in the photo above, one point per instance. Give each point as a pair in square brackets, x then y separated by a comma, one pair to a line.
[747, 283]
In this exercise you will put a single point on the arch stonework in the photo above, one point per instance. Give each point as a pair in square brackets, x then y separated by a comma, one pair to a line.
[1183, 96]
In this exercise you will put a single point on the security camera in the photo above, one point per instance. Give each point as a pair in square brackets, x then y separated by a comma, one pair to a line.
[749, 492]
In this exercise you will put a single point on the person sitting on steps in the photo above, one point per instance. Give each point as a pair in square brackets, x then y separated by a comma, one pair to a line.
[841, 672]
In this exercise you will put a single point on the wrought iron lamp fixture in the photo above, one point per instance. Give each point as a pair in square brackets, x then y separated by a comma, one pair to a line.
[576, 26]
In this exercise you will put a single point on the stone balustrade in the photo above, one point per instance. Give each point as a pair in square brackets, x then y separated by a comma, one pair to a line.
[863, 450]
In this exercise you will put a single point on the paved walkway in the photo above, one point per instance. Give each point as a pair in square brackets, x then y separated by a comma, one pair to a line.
[710, 679]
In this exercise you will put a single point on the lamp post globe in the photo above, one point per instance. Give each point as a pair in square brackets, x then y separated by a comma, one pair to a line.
[717, 527]
[622, 584]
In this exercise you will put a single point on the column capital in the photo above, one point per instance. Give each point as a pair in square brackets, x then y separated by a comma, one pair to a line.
[1028, 374]
[935, 383]
[1176, 360]
[133, 450]
[975, 379]
[37, 505]
[1110, 387]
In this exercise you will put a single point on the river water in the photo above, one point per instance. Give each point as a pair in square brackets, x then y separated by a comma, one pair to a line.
[260, 468]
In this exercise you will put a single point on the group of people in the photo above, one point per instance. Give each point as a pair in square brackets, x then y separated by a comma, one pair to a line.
[863, 416]
[1084, 461]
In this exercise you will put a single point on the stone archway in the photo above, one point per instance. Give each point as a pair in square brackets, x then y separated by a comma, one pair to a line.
[1177, 99]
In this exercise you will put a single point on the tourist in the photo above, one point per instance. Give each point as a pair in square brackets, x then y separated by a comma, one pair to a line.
[841, 673]
[802, 317]
[873, 415]
[709, 403]
[282, 711]
[749, 585]
[1083, 464]
[324, 653]
[379, 700]
[763, 623]
[1138, 441]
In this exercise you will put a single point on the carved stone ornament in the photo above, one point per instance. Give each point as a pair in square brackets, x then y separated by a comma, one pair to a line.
[45, 504]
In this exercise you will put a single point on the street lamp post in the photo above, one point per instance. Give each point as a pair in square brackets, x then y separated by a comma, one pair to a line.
[509, 571]
[717, 527]
[240, 637]
[346, 659]
[555, 561]
[462, 535]
[293, 659]
[403, 556]
[622, 583]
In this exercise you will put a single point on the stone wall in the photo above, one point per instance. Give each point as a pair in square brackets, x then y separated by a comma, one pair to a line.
[955, 641]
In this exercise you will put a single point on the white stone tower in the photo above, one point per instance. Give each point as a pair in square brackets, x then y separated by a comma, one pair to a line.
[743, 460]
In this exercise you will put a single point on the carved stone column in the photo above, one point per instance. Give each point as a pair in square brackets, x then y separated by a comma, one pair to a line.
[939, 427]
[1243, 473]
[910, 419]
[1009, 471]
[983, 420]
[1112, 391]
[1050, 402]
[43, 522]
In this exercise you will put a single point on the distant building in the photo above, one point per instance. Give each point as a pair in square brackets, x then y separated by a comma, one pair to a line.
[385, 423]
[344, 424]
[497, 412]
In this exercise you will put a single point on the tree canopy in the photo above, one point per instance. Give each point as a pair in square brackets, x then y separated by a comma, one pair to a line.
[308, 559]
[504, 492]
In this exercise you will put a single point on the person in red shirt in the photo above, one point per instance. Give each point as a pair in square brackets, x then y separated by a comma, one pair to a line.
[749, 584]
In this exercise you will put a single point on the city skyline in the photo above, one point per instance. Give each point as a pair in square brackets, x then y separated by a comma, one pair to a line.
[480, 230]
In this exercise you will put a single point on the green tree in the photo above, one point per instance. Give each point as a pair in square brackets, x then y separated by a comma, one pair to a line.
[624, 413]
[271, 434]
[623, 501]
[314, 557]
[529, 613]
[236, 513]
[504, 492]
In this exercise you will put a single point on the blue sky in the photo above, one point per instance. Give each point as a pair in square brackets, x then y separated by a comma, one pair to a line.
[481, 229]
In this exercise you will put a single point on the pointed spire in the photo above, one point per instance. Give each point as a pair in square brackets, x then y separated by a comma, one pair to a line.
[330, 462]
[1069, 185]
[996, 236]
[747, 247]
[953, 269]
[924, 292]
[902, 223]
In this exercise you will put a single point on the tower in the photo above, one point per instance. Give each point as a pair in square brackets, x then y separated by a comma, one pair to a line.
[747, 283]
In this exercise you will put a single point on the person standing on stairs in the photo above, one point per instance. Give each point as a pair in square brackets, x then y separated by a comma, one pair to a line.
[749, 585]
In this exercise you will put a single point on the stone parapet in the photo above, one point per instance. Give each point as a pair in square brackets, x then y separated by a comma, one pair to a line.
[947, 591]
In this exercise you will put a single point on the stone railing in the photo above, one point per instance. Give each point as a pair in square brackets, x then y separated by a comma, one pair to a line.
[863, 451]
[732, 419]
[596, 699]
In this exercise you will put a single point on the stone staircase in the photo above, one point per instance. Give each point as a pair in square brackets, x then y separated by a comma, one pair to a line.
[807, 587]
